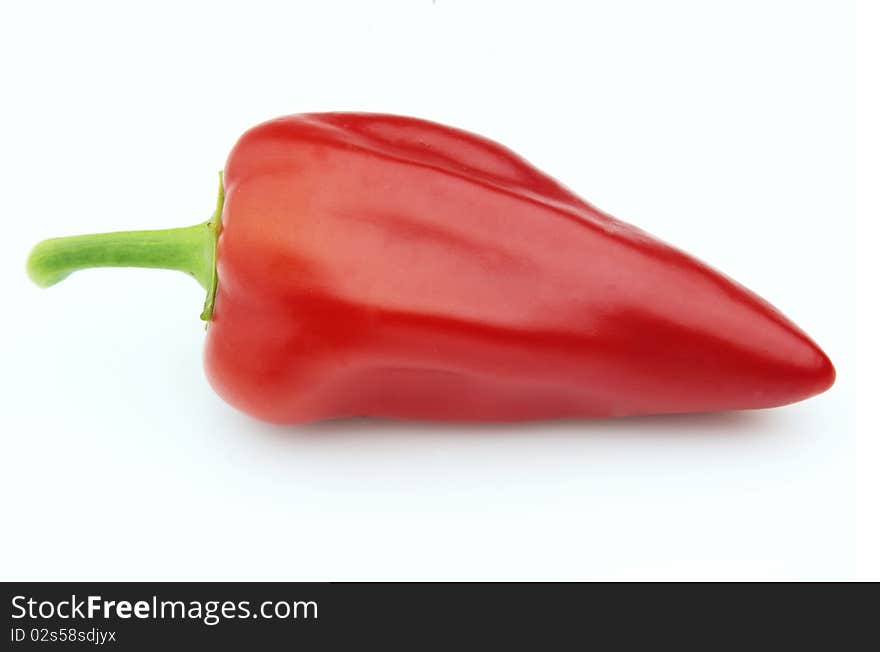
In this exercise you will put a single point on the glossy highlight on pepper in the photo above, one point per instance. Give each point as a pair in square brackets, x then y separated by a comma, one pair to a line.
[388, 266]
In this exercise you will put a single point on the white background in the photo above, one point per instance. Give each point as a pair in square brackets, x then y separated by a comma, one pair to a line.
[726, 128]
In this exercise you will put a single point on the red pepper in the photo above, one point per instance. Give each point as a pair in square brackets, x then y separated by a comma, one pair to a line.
[389, 266]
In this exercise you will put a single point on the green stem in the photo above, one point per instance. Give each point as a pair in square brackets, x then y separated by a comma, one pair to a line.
[191, 250]
[187, 250]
